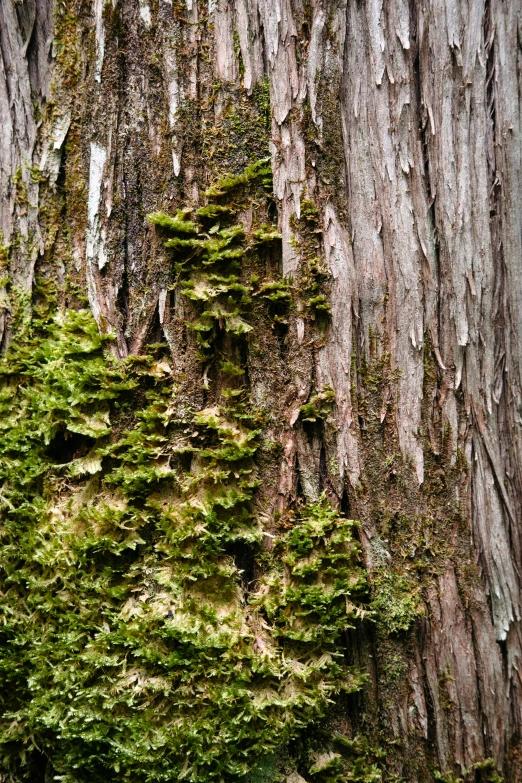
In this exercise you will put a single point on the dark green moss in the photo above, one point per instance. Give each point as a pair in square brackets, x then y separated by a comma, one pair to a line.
[313, 277]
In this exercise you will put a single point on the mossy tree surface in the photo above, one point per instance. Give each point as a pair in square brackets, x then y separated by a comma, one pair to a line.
[147, 634]
[260, 276]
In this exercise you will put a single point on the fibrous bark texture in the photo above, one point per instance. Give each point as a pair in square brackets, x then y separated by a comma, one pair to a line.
[395, 134]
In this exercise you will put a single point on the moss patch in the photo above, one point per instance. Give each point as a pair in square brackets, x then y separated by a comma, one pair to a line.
[396, 601]
[146, 631]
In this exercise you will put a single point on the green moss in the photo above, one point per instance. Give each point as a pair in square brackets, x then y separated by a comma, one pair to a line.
[20, 189]
[266, 234]
[231, 369]
[66, 48]
[5, 254]
[319, 405]
[209, 263]
[333, 757]
[177, 223]
[229, 181]
[313, 278]
[212, 211]
[396, 600]
[130, 646]
[146, 601]
[5, 250]
[261, 94]
[316, 586]
[237, 52]
[331, 767]
[359, 759]
[486, 770]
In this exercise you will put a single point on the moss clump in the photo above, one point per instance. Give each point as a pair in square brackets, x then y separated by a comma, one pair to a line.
[332, 757]
[209, 263]
[277, 294]
[177, 223]
[396, 600]
[313, 276]
[212, 211]
[318, 406]
[332, 767]
[126, 648]
[260, 168]
[485, 771]
[306, 596]
[131, 646]
[359, 759]
[266, 234]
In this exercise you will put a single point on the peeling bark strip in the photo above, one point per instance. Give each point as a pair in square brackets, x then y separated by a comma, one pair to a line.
[395, 135]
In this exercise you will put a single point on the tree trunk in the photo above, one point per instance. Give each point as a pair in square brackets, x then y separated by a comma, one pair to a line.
[391, 385]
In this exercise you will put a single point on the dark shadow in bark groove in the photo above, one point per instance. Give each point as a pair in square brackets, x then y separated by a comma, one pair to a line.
[66, 446]
[243, 555]
[122, 302]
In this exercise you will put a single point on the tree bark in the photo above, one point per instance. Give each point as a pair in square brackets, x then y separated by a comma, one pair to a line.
[401, 122]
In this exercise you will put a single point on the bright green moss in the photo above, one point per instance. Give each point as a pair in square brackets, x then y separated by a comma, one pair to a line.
[276, 292]
[130, 648]
[209, 263]
[259, 169]
[212, 211]
[307, 596]
[266, 234]
[232, 369]
[177, 223]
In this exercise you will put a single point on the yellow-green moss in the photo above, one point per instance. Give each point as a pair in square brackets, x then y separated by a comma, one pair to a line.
[131, 647]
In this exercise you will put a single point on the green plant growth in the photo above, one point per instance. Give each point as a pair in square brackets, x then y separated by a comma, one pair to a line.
[5, 251]
[483, 771]
[209, 262]
[396, 600]
[306, 594]
[330, 757]
[313, 275]
[131, 647]
[177, 223]
[352, 767]
[260, 168]
[319, 405]
[358, 759]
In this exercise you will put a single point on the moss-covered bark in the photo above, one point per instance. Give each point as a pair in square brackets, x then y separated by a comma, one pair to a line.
[260, 272]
